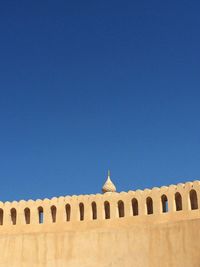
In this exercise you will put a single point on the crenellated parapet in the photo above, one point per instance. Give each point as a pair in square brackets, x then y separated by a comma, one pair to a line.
[99, 207]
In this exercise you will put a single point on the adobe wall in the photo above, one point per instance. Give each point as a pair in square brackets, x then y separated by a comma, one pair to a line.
[92, 237]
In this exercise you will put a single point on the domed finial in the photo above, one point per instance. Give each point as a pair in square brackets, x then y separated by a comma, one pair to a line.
[108, 186]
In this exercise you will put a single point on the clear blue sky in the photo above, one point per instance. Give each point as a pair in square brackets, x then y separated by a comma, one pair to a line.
[91, 85]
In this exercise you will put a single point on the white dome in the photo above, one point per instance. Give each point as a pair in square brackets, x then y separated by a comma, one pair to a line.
[108, 186]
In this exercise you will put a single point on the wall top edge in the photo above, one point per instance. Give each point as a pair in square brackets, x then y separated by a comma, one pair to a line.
[67, 198]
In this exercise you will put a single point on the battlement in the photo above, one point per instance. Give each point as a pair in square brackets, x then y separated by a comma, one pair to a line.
[99, 207]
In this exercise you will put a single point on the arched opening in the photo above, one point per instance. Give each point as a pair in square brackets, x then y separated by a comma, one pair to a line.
[13, 214]
[164, 201]
[81, 210]
[121, 208]
[68, 212]
[107, 209]
[134, 206]
[1, 217]
[53, 213]
[41, 215]
[193, 200]
[149, 205]
[94, 210]
[178, 201]
[27, 215]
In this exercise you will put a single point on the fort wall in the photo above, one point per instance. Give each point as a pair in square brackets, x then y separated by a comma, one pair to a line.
[70, 209]
[143, 228]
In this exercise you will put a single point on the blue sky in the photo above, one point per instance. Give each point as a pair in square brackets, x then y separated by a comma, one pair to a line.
[87, 86]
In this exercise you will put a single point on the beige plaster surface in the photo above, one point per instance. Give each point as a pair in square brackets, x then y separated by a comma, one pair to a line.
[168, 240]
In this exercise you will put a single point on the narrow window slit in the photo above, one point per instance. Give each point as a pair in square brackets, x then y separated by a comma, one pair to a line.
[13, 214]
[107, 209]
[164, 201]
[68, 212]
[193, 200]
[149, 205]
[81, 210]
[53, 214]
[121, 208]
[27, 215]
[135, 207]
[94, 211]
[178, 201]
[1, 217]
[41, 215]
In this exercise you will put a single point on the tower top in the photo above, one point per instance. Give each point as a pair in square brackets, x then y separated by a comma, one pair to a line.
[108, 186]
